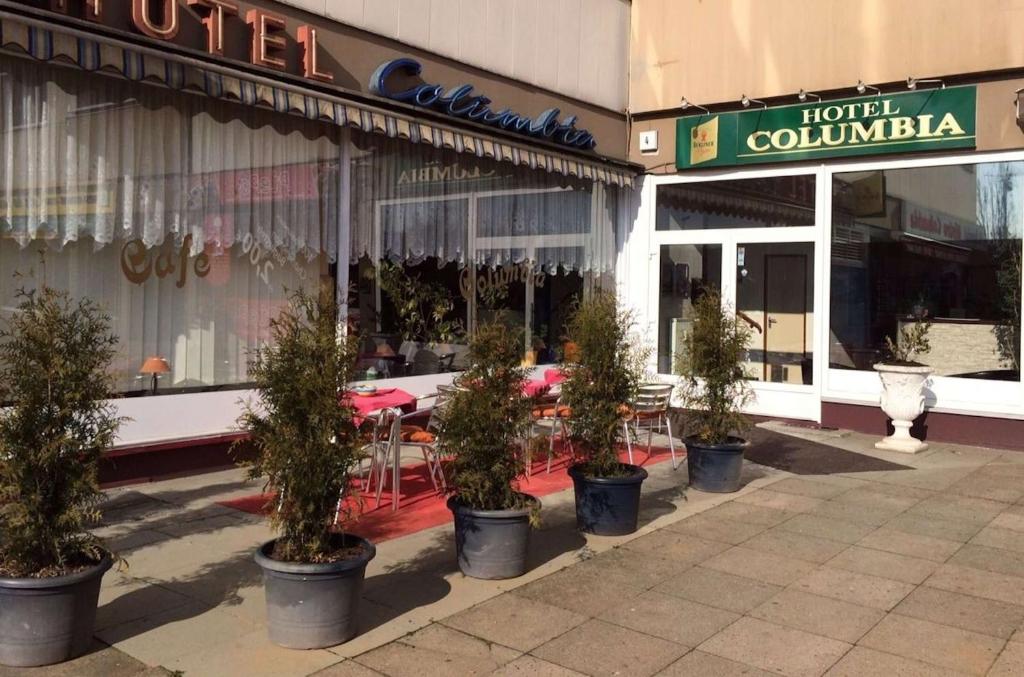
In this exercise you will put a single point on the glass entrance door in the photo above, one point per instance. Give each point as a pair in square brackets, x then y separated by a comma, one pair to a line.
[753, 237]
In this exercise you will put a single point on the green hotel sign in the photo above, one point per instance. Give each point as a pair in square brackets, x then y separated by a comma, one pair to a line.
[934, 119]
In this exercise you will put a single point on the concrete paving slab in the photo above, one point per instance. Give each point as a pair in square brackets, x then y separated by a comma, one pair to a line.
[531, 666]
[893, 540]
[669, 617]
[826, 527]
[719, 589]
[760, 566]
[712, 528]
[686, 550]
[940, 645]
[985, 616]
[99, 660]
[753, 514]
[438, 651]
[1010, 663]
[884, 564]
[514, 621]
[813, 488]
[766, 498]
[848, 586]
[864, 662]
[930, 525]
[996, 560]
[252, 655]
[790, 544]
[776, 648]
[700, 664]
[819, 615]
[996, 537]
[599, 648]
[971, 581]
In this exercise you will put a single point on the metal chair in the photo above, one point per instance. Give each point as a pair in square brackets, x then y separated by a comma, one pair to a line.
[650, 411]
[552, 413]
[423, 437]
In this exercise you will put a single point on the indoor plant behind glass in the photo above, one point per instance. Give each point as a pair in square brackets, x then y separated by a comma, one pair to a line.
[597, 390]
[714, 390]
[54, 381]
[307, 449]
[482, 426]
[903, 379]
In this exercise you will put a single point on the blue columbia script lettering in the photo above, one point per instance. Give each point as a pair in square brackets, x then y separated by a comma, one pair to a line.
[460, 103]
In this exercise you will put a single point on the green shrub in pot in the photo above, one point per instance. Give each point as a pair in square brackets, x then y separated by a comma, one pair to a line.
[56, 387]
[308, 450]
[602, 382]
[714, 390]
[483, 425]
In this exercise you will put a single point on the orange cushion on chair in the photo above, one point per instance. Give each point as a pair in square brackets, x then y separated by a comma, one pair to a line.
[562, 412]
[422, 437]
[538, 412]
[407, 431]
[646, 415]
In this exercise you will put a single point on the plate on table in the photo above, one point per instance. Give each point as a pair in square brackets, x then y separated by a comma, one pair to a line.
[366, 391]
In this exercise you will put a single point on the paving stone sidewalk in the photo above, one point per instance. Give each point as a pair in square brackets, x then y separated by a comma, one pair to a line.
[909, 572]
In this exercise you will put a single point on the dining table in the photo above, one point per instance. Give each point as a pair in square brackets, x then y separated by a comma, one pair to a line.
[383, 398]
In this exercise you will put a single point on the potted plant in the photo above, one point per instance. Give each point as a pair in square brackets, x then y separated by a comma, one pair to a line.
[714, 390]
[604, 379]
[57, 421]
[903, 379]
[482, 425]
[308, 449]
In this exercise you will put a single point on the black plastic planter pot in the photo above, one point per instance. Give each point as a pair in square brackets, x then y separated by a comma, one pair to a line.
[312, 606]
[48, 620]
[491, 544]
[715, 468]
[608, 506]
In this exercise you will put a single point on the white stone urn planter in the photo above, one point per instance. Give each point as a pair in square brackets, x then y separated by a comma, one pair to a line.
[902, 401]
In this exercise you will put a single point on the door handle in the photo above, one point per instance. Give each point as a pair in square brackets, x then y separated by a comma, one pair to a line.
[771, 321]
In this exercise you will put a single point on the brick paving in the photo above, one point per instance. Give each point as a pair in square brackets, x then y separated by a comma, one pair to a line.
[911, 572]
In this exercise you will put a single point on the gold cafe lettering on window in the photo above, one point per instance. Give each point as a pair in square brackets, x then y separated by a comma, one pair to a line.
[139, 264]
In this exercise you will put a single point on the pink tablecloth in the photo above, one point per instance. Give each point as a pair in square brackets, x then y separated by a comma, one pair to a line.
[536, 387]
[554, 376]
[389, 397]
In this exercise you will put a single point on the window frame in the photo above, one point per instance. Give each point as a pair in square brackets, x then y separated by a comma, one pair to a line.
[944, 394]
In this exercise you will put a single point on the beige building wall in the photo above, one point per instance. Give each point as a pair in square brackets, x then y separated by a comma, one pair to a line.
[713, 51]
[576, 48]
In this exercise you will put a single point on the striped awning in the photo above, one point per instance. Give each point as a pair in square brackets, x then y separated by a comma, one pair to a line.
[51, 43]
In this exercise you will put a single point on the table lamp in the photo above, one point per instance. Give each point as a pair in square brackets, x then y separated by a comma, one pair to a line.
[154, 366]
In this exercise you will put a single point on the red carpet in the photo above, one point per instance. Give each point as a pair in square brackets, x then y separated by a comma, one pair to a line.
[421, 508]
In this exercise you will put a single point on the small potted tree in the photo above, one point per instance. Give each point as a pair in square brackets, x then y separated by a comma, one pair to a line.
[482, 427]
[307, 448]
[903, 378]
[55, 385]
[598, 389]
[714, 390]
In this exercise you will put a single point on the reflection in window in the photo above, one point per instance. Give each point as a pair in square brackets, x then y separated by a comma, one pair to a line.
[775, 298]
[687, 272]
[186, 218]
[942, 241]
[533, 303]
[738, 203]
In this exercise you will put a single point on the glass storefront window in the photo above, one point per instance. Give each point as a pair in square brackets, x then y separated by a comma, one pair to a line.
[187, 219]
[506, 243]
[775, 297]
[942, 242]
[738, 203]
[533, 303]
[687, 272]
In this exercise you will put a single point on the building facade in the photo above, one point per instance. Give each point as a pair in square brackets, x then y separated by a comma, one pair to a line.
[837, 169]
[188, 164]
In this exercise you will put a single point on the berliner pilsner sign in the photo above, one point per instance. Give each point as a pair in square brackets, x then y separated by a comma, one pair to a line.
[933, 119]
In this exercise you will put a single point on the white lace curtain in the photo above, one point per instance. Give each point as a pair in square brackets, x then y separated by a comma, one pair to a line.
[410, 202]
[101, 158]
